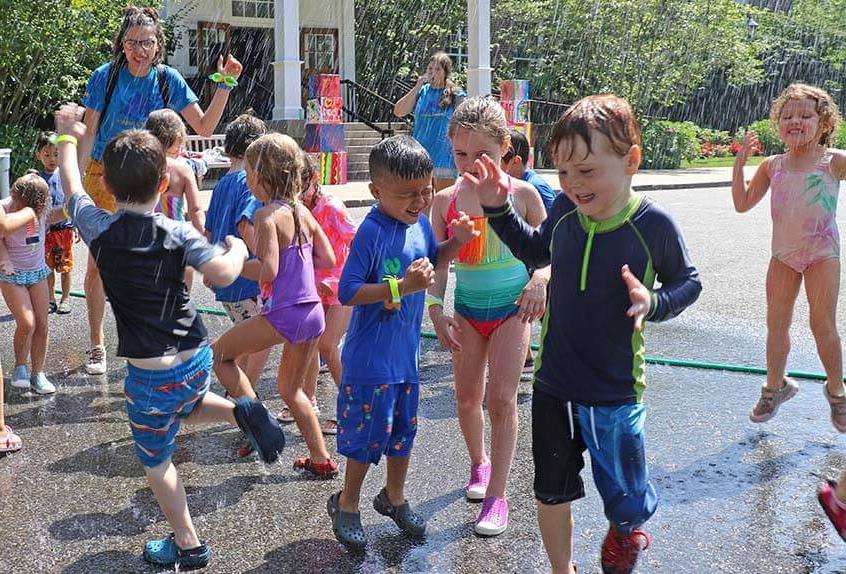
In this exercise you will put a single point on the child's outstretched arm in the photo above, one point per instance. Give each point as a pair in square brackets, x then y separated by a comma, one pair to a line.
[68, 123]
[463, 231]
[11, 222]
[838, 163]
[223, 269]
[680, 284]
[527, 243]
[746, 197]
[6, 266]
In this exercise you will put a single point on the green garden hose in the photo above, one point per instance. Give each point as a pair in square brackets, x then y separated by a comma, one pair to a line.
[649, 360]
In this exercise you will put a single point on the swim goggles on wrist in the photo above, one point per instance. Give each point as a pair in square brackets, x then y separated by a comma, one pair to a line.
[228, 81]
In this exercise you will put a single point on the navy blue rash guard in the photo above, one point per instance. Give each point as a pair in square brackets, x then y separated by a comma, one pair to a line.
[590, 352]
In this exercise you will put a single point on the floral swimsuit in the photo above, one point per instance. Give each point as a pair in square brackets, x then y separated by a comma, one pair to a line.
[803, 208]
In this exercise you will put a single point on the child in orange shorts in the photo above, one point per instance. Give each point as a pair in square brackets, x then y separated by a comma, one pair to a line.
[58, 243]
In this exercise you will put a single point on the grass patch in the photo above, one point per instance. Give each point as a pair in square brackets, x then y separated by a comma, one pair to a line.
[719, 162]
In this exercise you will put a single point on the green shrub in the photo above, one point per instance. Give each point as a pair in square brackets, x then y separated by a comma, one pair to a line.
[767, 135]
[840, 137]
[21, 140]
[717, 137]
[666, 143]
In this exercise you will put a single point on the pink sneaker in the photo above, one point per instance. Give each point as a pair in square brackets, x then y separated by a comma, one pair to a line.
[477, 486]
[493, 519]
[834, 509]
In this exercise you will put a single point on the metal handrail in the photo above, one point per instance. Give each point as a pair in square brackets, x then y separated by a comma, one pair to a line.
[351, 110]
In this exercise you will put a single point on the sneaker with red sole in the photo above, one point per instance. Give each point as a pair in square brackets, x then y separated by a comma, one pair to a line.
[328, 469]
[620, 551]
[833, 507]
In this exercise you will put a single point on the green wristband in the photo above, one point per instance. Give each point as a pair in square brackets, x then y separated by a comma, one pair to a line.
[393, 285]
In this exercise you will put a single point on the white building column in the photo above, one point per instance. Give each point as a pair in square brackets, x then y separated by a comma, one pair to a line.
[287, 86]
[348, 41]
[478, 47]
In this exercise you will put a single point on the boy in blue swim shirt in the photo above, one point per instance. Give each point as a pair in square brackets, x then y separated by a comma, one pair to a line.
[606, 246]
[391, 263]
[141, 257]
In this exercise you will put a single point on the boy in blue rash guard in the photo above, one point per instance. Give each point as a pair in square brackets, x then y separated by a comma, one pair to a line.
[607, 246]
[231, 209]
[141, 257]
[388, 270]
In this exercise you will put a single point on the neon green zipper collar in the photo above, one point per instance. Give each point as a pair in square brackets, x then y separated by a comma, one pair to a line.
[592, 227]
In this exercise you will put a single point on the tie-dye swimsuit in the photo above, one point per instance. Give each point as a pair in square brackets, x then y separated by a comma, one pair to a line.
[171, 207]
[488, 278]
[803, 207]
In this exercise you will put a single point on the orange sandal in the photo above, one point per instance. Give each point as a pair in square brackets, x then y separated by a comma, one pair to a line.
[328, 469]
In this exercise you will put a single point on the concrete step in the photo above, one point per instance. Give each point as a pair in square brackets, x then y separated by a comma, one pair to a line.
[359, 149]
[356, 141]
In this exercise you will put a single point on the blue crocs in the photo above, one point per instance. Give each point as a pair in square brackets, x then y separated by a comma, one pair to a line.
[165, 552]
[262, 430]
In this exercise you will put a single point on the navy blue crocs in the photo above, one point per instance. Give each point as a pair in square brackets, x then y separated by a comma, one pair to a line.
[262, 430]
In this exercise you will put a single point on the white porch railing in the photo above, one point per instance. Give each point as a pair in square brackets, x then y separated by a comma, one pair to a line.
[210, 148]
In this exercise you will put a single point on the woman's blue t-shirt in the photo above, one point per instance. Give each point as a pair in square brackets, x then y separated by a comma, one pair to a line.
[132, 101]
[431, 123]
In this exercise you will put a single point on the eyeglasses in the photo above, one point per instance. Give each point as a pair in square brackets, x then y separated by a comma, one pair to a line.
[147, 44]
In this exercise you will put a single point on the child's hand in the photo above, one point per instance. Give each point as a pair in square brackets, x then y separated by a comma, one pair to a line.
[231, 67]
[206, 283]
[422, 79]
[491, 187]
[68, 120]
[237, 246]
[532, 301]
[463, 229]
[6, 267]
[420, 275]
[750, 140]
[640, 297]
[446, 328]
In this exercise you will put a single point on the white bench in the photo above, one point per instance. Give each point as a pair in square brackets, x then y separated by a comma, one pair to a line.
[203, 145]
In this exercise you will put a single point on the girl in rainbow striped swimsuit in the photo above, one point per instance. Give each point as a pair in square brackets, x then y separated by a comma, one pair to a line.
[496, 297]
[182, 190]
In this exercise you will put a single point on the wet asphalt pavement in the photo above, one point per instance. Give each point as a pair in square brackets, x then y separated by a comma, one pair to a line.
[735, 497]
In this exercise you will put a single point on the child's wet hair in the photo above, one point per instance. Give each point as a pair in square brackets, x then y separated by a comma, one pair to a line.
[400, 156]
[278, 163]
[824, 105]
[137, 16]
[241, 132]
[518, 146]
[310, 170]
[610, 115]
[134, 164]
[167, 126]
[32, 190]
[479, 114]
[43, 140]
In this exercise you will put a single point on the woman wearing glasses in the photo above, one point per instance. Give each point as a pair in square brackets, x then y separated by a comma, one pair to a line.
[120, 95]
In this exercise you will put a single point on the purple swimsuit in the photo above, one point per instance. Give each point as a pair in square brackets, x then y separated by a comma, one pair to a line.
[291, 303]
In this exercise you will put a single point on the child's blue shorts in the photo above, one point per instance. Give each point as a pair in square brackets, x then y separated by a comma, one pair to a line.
[377, 419]
[613, 435]
[157, 401]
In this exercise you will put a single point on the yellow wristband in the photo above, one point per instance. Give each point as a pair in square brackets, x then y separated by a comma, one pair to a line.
[55, 140]
[432, 300]
[65, 213]
[393, 284]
